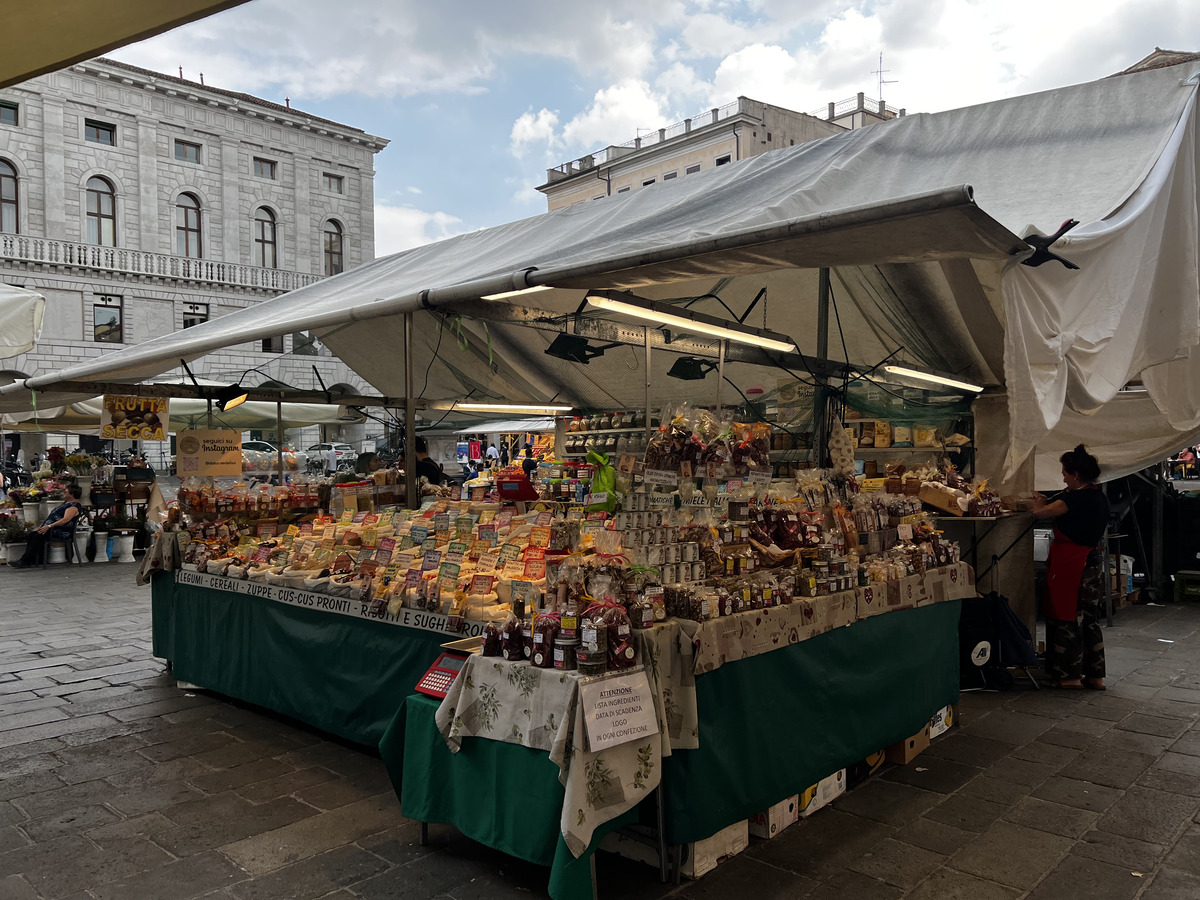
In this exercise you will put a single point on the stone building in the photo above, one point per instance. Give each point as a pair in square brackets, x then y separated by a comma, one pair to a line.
[723, 135]
[140, 203]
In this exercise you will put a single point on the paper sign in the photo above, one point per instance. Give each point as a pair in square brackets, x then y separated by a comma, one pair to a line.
[509, 552]
[433, 559]
[412, 578]
[429, 544]
[535, 569]
[599, 499]
[523, 591]
[454, 556]
[419, 533]
[626, 463]
[661, 476]
[514, 569]
[488, 562]
[617, 710]
[760, 476]
[904, 532]
[481, 584]
[348, 515]
[504, 518]
[539, 536]
[266, 530]
[545, 518]
[216, 451]
[127, 418]
[685, 469]
[441, 522]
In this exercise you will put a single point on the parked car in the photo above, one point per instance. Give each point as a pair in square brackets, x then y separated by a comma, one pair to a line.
[345, 453]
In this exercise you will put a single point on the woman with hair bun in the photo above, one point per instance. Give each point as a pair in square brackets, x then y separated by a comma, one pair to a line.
[1074, 580]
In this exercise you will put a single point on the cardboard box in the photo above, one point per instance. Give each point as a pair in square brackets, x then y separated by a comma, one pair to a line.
[942, 721]
[770, 822]
[822, 793]
[905, 751]
[696, 859]
[860, 771]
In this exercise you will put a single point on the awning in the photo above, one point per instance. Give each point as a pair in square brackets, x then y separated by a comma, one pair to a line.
[918, 218]
[44, 37]
[20, 320]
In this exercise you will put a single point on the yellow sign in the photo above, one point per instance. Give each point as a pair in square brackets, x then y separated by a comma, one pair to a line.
[215, 451]
[127, 418]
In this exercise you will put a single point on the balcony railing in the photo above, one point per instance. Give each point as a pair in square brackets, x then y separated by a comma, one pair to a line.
[612, 152]
[138, 262]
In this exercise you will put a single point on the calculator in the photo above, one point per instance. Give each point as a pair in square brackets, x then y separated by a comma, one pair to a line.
[436, 682]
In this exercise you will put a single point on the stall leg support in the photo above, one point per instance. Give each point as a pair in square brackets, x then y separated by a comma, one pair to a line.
[423, 840]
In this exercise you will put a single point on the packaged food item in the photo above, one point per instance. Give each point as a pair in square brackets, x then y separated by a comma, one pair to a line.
[492, 642]
[545, 632]
[883, 434]
[564, 653]
[512, 639]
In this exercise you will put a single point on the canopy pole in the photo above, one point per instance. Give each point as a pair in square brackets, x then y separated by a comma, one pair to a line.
[210, 414]
[279, 436]
[410, 418]
[820, 400]
[720, 374]
[646, 332]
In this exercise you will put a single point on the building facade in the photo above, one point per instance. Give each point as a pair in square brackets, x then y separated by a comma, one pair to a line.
[140, 203]
[724, 135]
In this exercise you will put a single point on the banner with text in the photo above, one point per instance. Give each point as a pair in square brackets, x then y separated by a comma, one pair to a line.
[129, 418]
[209, 451]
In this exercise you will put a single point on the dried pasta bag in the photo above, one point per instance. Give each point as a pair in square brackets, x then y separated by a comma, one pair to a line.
[902, 435]
[492, 642]
[621, 653]
[924, 436]
[545, 632]
[883, 434]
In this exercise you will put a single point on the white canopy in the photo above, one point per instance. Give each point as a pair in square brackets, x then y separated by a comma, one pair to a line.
[897, 210]
[20, 320]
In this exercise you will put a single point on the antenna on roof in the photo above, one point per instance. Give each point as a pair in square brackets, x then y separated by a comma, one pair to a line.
[181, 71]
[881, 71]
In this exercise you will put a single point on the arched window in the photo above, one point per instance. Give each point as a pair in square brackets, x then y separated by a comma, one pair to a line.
[187, 227]
[264, 239]
[333, 248]
[9, 220]
[101, 213]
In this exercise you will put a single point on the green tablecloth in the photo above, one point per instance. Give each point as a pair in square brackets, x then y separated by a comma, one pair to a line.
[343, 675]
[774, 724]
[770, 726]
[503, 795]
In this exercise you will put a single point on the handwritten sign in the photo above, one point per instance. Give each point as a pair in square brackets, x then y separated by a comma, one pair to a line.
[617, 709]
[661, 476]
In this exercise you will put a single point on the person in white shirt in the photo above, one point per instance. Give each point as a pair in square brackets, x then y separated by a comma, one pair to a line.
[331, 461]
[493, 455]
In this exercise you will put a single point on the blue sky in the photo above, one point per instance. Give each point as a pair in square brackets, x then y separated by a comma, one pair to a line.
[478, 98]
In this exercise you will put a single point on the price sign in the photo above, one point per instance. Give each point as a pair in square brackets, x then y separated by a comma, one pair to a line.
[481, 584]
[904, 532]
[488, 562]
[432, 559]
[539, 536]
[661, 477]
[760, 476]
[513, 569]
[545, 518]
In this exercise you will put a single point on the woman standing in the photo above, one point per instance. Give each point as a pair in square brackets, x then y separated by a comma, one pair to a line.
[1074, 580]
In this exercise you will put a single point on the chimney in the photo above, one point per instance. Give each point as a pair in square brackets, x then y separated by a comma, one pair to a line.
[202, 78]
[831, 108]
[287, 101]
[861, 99]
[181, 72]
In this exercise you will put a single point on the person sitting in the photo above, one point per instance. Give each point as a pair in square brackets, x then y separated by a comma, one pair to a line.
[57, 527]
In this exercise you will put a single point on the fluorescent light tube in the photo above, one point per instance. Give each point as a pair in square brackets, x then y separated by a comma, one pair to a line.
[935, 379]
[650, 311]
[505, 294]
[514, 407]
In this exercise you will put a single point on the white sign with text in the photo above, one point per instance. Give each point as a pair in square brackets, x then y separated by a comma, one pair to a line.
[617, 709]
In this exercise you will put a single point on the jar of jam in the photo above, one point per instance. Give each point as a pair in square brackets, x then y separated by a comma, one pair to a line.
[564, 653]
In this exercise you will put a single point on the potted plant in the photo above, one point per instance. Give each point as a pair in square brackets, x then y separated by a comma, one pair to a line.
[14, 532]
[80, 465]
[30, 500]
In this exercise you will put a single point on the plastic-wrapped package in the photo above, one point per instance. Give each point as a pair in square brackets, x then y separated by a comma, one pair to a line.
[545, 632]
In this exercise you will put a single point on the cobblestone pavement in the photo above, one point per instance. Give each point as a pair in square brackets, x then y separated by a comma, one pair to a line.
[116, 784]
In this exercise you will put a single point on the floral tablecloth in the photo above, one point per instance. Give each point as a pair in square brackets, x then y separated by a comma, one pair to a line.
[539, 708]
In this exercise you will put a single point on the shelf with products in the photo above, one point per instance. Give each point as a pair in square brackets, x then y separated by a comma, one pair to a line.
[625, 430]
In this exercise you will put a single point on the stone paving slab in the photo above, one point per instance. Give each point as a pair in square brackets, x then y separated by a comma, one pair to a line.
[115, 784]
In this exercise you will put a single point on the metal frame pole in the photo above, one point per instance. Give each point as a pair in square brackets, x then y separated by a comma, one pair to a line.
[279, 437]
[820, 438]
[720, 375]
[410, 418]
[646, 331]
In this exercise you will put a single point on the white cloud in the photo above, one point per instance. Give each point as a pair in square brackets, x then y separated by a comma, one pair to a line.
[616, 115]
[533, 128]
[403, 227]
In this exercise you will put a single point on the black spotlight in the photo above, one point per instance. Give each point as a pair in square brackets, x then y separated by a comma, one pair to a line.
[574, 348]
[689, 368]
[229, 397]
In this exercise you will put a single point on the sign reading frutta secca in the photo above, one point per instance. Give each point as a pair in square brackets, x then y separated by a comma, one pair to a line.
[134, 418]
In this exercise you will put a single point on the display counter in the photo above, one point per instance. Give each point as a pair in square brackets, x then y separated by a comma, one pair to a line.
[769, 721]
[324, 660]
